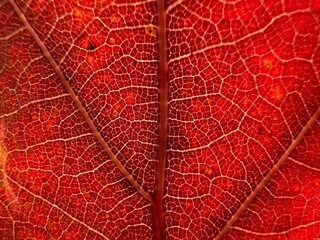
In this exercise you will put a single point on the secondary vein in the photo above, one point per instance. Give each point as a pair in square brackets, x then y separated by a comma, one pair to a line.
[79, 105]
[267, 178]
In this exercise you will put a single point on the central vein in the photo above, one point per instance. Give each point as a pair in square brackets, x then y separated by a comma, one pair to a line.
[157, 209]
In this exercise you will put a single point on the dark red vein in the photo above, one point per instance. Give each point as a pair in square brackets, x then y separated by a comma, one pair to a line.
[77, 102]
[157, 209]
[267, 178]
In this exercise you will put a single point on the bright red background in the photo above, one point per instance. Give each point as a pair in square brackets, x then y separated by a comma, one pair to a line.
[243, 82]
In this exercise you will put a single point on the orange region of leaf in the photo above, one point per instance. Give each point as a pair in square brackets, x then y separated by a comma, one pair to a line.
[3, 155]
[277, 93]
[78, 13]
[208, 171]
[267, 63]
[274, 118]
[218, 57]
[114, 18]
[150, 30]
[112, 40]
[91, 61]
[245, 101]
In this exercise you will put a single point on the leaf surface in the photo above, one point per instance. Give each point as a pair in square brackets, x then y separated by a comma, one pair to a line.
[159, 119]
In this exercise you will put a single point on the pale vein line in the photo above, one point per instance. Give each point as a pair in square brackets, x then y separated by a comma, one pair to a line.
[33, 102]
[229, 2]
[51, 141]
[278, 233]
[12, 34]
[174, 5]
[79, 105]
[232, 43]
[267, 178]
[305, 165]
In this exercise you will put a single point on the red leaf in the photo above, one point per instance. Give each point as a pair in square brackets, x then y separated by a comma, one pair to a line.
[159, 119]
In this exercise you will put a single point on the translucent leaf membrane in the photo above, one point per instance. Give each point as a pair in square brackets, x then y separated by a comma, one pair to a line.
[244, 81]
[243, 84]
[109, 56]
[56, 181]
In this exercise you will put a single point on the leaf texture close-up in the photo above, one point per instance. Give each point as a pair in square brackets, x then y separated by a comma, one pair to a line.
[159, 119]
